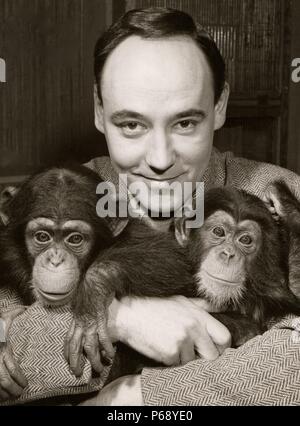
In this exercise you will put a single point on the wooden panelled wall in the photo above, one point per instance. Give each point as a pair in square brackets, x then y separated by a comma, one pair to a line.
[46, 104]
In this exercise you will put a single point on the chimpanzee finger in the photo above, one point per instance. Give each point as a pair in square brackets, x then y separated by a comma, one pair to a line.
[7, 384]
[68, 339]
[92, 350]
[104, 339]
[75, 351]
[272, 202]
[4, 396]
[14, 370]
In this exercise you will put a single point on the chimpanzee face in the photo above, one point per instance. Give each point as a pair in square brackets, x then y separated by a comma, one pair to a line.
[59, 251]
[227, 250]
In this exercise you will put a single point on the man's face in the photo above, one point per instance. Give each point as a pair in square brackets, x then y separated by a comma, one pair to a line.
[158, 113]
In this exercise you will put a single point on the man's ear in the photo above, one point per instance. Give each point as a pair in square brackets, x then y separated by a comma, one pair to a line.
[182, 232]
[98, 110]
[221, 107]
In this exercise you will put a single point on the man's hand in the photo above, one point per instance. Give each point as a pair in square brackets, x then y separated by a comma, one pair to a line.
[172, 331]
[125, 391]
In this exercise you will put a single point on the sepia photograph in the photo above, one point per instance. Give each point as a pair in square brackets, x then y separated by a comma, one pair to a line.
[149, 205]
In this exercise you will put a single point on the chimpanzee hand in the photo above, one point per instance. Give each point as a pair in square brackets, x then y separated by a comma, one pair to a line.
[88, 335]
[12, 380]
[280, 201]
[272, 203]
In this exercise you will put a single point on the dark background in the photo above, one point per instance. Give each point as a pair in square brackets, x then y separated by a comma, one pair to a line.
[46, 105]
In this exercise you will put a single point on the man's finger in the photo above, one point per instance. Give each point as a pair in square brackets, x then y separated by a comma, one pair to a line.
[206, 348]
[219, 334]
[187, 353]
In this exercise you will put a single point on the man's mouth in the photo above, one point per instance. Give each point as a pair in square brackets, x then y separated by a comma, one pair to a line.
[162, 179]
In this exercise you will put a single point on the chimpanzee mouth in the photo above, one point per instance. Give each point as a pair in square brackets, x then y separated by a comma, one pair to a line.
[54, 297]
[221, 280]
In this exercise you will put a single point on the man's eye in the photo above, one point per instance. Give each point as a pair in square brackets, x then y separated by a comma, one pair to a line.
[218, 231]
[75, 239]
[185, 126]
[132, 128]
[246, 240]
[42, 237]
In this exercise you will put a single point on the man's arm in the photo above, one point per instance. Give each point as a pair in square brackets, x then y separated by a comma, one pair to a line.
[264, 371]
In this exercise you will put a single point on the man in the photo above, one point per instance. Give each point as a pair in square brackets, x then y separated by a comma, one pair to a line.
[160, 95]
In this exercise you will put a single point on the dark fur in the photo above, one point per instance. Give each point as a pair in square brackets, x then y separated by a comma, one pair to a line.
[290, 222]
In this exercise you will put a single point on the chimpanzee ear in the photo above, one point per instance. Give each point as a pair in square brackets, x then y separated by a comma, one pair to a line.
[118, 226]
[7, 194]
[5, 197]
[182, 232]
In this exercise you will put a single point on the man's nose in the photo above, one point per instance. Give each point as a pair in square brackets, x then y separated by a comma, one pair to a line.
[160, 155]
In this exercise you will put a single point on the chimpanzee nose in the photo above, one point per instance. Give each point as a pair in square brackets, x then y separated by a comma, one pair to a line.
[55, 257]
[226, 254]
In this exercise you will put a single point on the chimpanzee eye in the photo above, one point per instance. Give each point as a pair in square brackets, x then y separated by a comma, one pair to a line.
[42, 237]
[246, 240]
[219, 231]
[75, 239]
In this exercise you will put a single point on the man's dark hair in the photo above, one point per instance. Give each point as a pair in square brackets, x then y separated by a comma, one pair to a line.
[155, 23]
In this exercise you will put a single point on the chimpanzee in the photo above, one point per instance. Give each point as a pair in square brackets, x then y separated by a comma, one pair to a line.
[52, 237]
[240, 254]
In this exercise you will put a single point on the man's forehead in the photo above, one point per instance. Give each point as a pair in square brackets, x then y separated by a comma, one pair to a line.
[156, 66]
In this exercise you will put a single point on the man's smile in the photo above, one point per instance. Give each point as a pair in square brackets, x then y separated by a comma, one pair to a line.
[158, 179]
